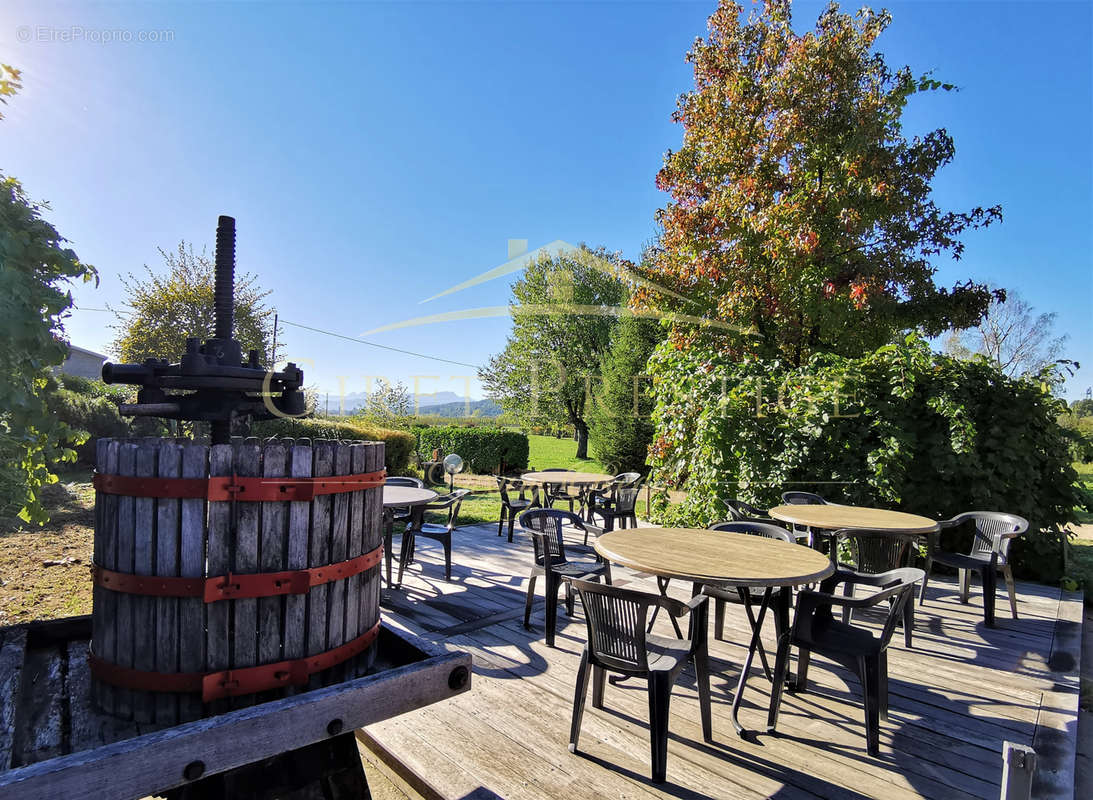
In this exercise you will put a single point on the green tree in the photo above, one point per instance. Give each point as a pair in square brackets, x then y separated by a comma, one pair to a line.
[620, 425]
[164, 309]
[564, 307]
[35, 269]
[388, 405]
[800, 213]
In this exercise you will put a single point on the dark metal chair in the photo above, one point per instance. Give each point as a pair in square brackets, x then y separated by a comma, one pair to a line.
[873, 553]
[617, 642]
[561, 491]
[545, 528]
[739, 510]
[815, 630]
[512, 506]
[440, 533]
[994, 531]
[604, 497]
[622, 507]
[725, 593]
[804, 499]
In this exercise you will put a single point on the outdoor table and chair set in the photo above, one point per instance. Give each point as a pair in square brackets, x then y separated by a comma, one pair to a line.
[757, 560]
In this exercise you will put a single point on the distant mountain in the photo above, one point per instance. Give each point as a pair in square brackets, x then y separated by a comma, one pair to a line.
[482, 408]
[447, 404]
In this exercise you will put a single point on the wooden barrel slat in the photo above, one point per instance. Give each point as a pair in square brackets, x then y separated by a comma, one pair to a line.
[217, 641]
[170, 537]
[245, 561]
[191, 624]
[168, 518]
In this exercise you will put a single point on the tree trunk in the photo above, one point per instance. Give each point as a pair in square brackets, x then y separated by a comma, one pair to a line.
[581, 427]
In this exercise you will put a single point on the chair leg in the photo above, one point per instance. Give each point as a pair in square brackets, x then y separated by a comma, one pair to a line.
[848, 591]
[568, 599]
[868, 672]
[660, 695]
[527, 603]
[579, 696]
[925, 580]
[607, 572]
[1007, 573]
[990, 581]
[599, 683]
[501, 522]
[387, 544]
[803, 657]
[908, 622]
[702, 678]
[882, 684]
[512, 522]
[448, 556]
[965, 584]
[552, 586]
[719, 619]
[406, 553]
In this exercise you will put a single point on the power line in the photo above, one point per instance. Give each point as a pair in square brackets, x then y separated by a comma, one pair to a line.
[346, 338]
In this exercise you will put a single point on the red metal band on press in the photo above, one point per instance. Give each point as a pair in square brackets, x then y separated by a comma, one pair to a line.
[233, 487]
[230, 682]
[228, 587]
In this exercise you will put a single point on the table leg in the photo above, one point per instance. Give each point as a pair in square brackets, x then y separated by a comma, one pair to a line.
[781, 660]
[662, 585]
[752, 646]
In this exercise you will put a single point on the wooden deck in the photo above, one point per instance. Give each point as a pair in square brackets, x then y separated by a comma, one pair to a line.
[954, 698]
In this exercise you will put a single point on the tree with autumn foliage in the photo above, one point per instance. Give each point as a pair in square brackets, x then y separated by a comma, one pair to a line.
[800, 214]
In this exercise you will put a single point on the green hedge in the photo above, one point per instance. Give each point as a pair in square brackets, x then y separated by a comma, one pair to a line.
[912, 429]
[399, 445]
[484, 450]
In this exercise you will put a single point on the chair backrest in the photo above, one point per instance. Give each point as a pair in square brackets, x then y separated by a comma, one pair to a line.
[627, 478]
[503, 486]
[901, 588]
[400, 480]
[802, 499]
[545, 527]
[739, 510]
[993, 530]
[626, 497]
[451, 502]
[754, 528]
[874, 552]
[616, 620]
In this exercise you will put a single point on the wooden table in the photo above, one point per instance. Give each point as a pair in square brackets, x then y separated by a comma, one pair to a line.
[833, 517]
[401, 497]
[568, 478]
[737, 559]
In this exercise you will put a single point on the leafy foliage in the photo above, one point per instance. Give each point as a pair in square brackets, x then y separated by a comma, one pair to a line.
[165, 309]
[388, 405]
[10, 83]
[563, 311]
[398, 445]
[620, 425]
[902, 427]
[35, 266]
[800, 214]
[484, 450]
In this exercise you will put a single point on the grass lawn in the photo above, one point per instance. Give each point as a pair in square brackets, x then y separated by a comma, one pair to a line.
[547, 452]
[1085, 478]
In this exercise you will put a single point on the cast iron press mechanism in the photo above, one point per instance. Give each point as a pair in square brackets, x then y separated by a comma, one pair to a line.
[219, 387]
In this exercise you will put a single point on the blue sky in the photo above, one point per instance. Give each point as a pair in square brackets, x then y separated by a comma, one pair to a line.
[375, 154]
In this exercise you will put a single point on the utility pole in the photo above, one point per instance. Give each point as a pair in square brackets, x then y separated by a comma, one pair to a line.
[273, 354]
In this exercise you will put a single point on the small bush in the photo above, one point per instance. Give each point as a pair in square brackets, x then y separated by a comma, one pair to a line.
[95, 416]
[91, 387]
[484, 450]
[398, 445]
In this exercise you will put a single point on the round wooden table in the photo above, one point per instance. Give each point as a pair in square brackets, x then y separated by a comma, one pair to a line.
[568, 478]
[834, 517]
[704, 556]
[401, 497]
